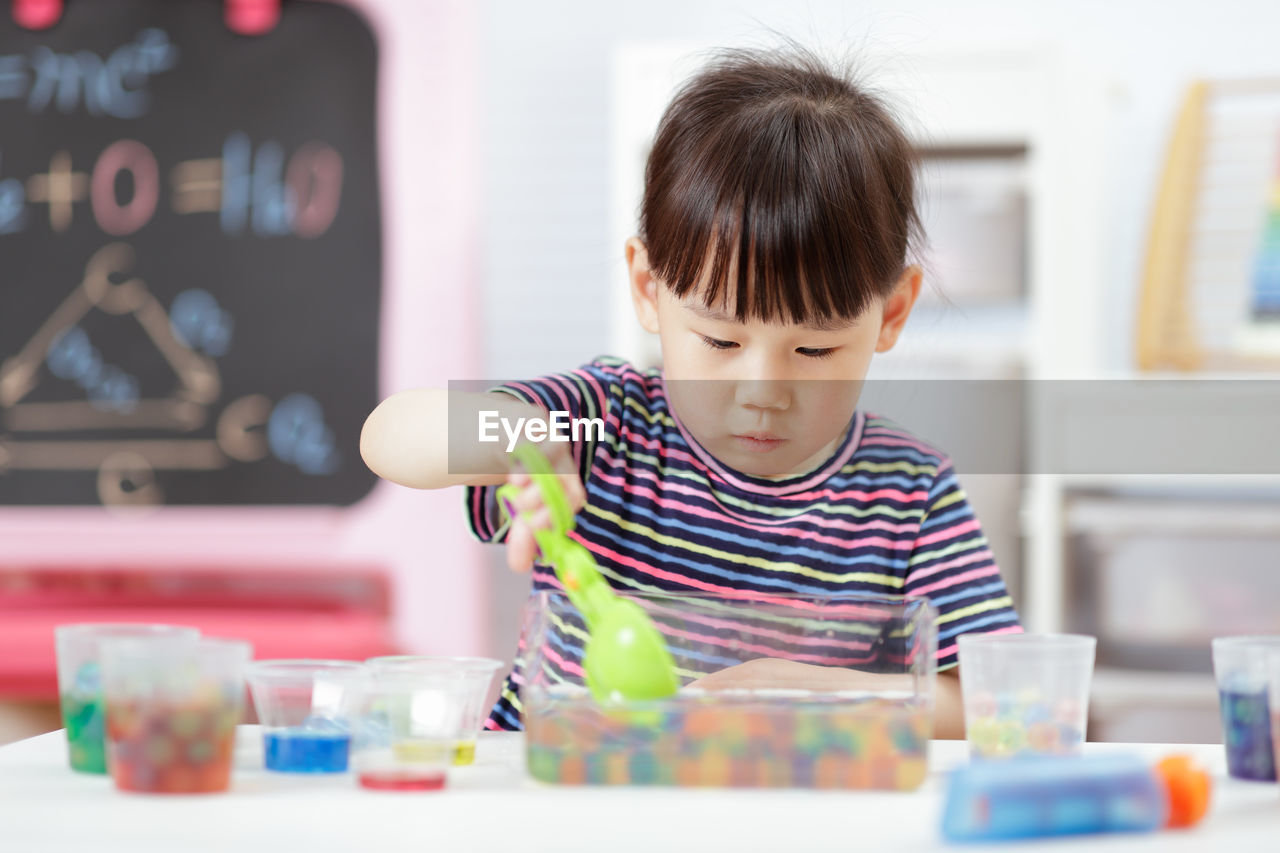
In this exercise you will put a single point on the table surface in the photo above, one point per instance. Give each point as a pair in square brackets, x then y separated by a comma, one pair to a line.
[493, 805]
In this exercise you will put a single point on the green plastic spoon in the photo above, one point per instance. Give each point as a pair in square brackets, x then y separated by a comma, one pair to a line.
[625, 658]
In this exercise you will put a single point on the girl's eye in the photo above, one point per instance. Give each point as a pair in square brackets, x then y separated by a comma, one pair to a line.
[714, 343]
[816, 352]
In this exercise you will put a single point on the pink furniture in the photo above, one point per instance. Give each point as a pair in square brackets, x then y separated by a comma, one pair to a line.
[335, 612]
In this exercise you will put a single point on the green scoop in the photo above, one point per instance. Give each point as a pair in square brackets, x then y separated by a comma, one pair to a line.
[625, 658]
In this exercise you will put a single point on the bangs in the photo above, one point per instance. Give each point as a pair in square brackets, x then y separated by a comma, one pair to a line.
[796, 206]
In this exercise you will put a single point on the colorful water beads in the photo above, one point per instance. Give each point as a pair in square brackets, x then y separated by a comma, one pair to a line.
[179, 749]
[810, 742]
[1246, 723]
[82, 715]
[1004, 725]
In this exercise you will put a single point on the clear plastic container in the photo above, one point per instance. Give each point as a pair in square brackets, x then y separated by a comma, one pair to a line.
[80, 684]
[1274, 696]
[1242, 668]
[780, 691]
[1025, 694]
[474, 676]
[1045, 796]
[407, 727]
[305, 708]
[171, 712]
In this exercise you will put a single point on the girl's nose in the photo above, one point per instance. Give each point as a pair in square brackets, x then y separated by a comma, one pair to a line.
[763, 394]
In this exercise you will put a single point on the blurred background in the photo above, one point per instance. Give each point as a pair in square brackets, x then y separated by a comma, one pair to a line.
[1099, 185]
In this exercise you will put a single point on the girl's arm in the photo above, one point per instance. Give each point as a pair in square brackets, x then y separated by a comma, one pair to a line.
[406, 438]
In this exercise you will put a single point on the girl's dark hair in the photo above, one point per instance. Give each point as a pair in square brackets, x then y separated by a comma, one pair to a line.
[778, 165]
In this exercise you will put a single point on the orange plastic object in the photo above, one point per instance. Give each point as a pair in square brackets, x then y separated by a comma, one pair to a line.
[1188, 786]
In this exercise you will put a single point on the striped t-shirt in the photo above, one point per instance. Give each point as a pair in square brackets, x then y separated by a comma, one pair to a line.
[885, 514]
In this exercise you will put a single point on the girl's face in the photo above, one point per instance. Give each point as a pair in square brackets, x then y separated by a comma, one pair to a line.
[766, 399]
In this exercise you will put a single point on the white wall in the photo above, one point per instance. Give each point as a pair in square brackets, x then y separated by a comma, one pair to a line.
[545, 114]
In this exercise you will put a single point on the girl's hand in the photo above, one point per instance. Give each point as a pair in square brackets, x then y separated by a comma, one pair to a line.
[766, 673]
[529, 512]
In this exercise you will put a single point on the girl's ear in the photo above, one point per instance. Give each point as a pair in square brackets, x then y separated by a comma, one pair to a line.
[644, 289]
[898, 307]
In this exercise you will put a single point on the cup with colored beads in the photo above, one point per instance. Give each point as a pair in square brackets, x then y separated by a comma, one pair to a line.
[1025, 694]
[171, 712]
[80, 683]
[473, 676]
[305, 708]
[1274, 707]
[1241, 666]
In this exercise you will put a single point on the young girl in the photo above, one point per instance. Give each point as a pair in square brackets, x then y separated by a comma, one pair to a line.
[772, 262]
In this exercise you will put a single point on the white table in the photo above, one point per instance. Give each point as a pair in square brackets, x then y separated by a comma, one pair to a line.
[492, 805]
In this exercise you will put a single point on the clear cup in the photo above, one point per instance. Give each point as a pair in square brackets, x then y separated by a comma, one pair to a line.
[1274, 691]
[171, 710]
[408, 727]
[1025, 694]
[474, 676]
[305, 708]
[1242, 668]
[80, 684]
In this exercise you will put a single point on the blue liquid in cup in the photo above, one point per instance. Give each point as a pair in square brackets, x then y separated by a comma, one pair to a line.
[304, 750]
[1246, 729]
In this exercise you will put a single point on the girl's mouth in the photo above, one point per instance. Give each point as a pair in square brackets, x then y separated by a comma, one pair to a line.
[758, 442]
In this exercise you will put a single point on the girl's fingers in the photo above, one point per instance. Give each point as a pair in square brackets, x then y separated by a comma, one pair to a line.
[520, 548]
[538, 519]
[528, 499]
[530, 510]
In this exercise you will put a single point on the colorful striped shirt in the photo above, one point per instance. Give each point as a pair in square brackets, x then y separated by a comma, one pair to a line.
[884, 515]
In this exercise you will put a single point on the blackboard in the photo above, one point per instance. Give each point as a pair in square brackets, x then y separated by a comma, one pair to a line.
[190, 256]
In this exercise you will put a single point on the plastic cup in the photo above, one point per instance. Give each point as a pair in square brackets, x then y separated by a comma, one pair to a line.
[1241, 666]
[171, 708]
[1274, 695]
[408, 727]
[1025, 694]
[305, 708]
[80, 684]
[474, 676]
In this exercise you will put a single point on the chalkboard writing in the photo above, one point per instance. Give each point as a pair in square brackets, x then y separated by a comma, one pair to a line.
[190, 267]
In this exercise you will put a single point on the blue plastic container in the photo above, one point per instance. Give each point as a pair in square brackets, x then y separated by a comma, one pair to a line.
[1034, 797]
